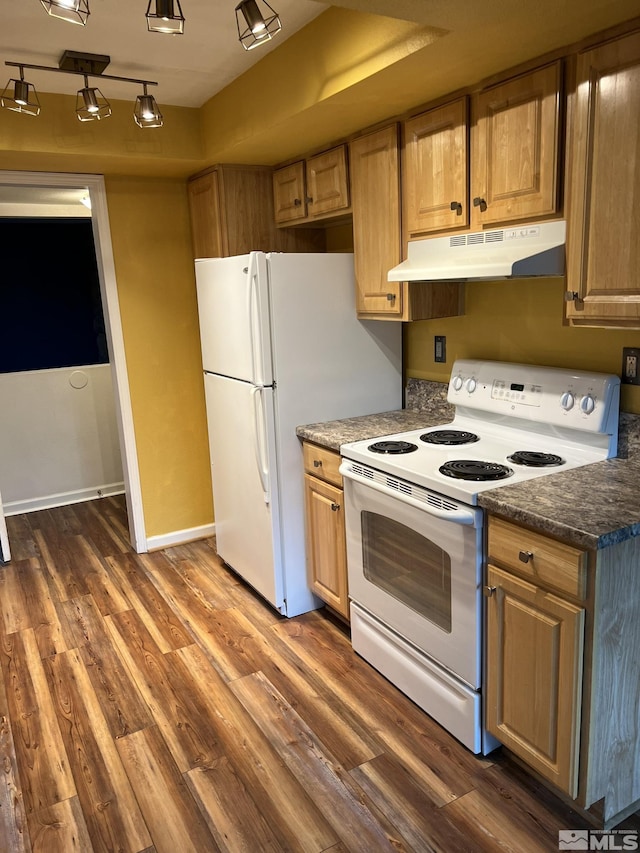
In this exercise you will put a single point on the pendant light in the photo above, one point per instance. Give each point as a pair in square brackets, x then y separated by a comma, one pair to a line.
[257, 23]
[23, 98]
[74, 11]
[91, 105]
[146, 112]
[164, 18]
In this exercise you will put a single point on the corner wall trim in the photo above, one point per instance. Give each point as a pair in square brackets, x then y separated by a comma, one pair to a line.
[180, 537]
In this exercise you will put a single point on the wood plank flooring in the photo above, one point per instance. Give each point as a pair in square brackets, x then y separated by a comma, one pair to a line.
[154, 703]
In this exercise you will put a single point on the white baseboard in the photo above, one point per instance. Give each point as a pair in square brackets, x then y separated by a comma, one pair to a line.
[63, 498]
[180, 537]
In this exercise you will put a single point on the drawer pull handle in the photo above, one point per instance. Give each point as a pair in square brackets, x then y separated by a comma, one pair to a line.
[525, 556]
[317, 463]
[488, 591]
[335, 507]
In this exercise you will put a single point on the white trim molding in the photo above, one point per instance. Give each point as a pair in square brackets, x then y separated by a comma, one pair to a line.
[63, 498]
[180, 537]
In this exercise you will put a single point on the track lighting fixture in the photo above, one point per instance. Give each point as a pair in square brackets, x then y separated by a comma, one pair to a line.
[23, 98]
[91, 105]
[166, 17]
[146, 112]
[74, 11]
[259, 23]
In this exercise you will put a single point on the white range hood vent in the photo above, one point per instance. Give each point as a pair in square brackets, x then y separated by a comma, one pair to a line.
[522, 251]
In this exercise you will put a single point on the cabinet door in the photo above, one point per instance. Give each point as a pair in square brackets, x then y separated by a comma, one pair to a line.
[289, 194]
[534, 676]
[604, 187]
[375, 191]
[327, 181]
[325, 543]
[434, 175]
[515, 147]
[206, 217]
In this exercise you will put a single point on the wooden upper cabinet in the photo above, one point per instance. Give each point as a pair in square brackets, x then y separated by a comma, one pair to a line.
[312, 189]
[435, 173]
[231, 209]
[375, 197]
[603, 246]
[327, 181]
[289, 193]
[206, 219]
[515, 149]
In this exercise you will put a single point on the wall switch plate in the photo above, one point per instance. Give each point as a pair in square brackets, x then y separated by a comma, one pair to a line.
[631, 366]
[440, 348]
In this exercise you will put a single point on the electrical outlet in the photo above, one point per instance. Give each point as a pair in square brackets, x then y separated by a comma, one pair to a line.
[630, 366]
[440, 348]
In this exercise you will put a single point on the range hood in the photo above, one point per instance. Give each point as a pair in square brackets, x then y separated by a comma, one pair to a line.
[521, 251]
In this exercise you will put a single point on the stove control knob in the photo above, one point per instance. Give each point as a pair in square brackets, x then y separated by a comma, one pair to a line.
[471, 385]
[457, 382]
[567, 400]
[587, 404]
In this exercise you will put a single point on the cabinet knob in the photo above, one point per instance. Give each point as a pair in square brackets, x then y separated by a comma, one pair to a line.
[480, 202]
[297, 202]
[488, 591]
[572, 296]
[391, 297]
[335, 507]
[455, 205]
[317, 463]
[525, 556]
[308, 199]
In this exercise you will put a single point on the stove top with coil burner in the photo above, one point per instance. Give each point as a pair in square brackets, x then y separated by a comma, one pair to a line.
[512, 423]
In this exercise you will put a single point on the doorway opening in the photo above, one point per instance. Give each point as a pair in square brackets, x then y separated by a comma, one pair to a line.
[92, 190]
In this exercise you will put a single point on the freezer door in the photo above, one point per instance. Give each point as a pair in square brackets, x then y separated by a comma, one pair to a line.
[233, 308]
[244, 475]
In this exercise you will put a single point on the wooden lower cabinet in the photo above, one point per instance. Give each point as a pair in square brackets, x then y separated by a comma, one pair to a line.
[325, 530]
[534, 677]
[562, 684]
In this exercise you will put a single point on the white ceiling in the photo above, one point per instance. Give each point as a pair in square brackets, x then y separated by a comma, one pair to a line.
[189, 68]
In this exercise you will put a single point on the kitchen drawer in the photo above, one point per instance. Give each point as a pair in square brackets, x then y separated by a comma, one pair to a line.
[538, 558]
[322, 463]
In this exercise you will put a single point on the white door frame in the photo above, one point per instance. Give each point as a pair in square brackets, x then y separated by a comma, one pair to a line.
[113, 326]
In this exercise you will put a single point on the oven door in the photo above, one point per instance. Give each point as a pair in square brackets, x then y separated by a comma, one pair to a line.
[414, 561]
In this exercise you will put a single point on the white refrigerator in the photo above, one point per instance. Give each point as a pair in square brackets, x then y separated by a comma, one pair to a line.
[281, 346]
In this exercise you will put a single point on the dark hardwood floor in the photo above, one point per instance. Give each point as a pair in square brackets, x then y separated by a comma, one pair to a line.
[155, 703]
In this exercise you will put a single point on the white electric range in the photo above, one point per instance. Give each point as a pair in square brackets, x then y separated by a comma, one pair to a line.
[415, 532]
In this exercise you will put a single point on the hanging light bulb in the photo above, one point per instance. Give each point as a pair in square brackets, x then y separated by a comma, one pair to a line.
[257, 26]
[91, 105]
[165, 18]
[146, 112]
[23, 99]
[74, 11]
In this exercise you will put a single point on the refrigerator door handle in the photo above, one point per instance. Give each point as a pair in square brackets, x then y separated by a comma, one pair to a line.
[260, 441]
[254, 323]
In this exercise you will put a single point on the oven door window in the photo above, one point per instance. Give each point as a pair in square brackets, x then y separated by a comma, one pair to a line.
[407, 566]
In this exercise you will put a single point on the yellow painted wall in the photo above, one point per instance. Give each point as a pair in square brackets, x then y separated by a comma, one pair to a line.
[156, 287]
[518, 321]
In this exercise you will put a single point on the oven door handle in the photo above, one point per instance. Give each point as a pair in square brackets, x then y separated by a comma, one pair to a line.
[461, 515]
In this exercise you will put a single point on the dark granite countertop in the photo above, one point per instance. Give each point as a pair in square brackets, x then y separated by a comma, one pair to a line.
[591, 507]
[332, 434]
